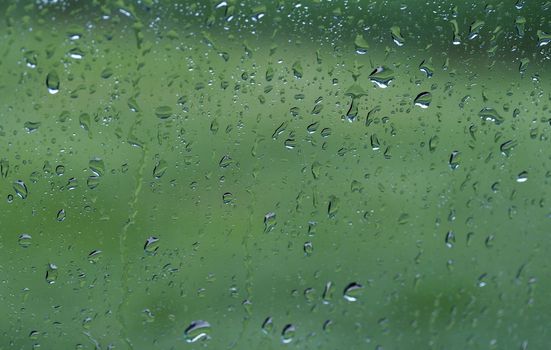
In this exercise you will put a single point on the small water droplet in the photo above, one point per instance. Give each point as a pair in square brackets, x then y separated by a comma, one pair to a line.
[382, 76]
[327, 295]
[450, 239]
[94, 256]
[269, 221]
[51, 273]
[423, 100]
[490, 114]
[25, 240]
[196, 331]
[288, 333]
[20, 189]
[454, 160]
[160, 168]
[361, 44]
[352, 291]
[522, 177]
[396, 35]
[267, 325]
[151, 245]
[308, 248]
[163, 112]
[52, 82]
[31, 127]
[227, 198]
[61, 215]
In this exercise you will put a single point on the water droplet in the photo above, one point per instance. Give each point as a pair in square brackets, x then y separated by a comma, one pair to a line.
[297, 70]
[308, 248]
[352, 291]
[279, 130]
[227, 198]
[4, 168]
[361, 44]
[94, 256]
[25, 240]
[507, 146]
[20, 189]
[397, 37]
[76, 53]
[481, 283]
[97, 166]
[197, 330]
[269, 221]
[51, 273]
[315, 169]
[543, 38]
[490, 114]
[520, 23]
[327, 325]
[375, 144]
[456, 37]
[31, 126]
[163, 112]
[267, 325]
[327, 295]
[160, 168]
[426, 67]
[450, 239]
[84, 121]
[151, 245]
[474, 29]
[288, 333]
[382, 76]
[52, 82]
[225, 161]
[333, 206]
[107, 73]
[61, 215]
[522, 177]
[454, 160]
[423, 100]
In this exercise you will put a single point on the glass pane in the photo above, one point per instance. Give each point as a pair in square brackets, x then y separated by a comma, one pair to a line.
[248, 174]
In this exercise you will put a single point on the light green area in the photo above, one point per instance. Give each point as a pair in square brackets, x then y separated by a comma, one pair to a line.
[206, 126]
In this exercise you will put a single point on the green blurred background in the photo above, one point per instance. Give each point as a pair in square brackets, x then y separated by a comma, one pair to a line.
[228, 132]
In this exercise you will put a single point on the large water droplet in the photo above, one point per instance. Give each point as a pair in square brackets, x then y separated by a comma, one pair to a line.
[288, 333]
[382, 76]
[423, 100]
[490, 114]
[197, 330]
[51, 273]
[151, 245]
[25, 240]
[522, 177]
[52, 82]
[352, 291]
[20, 189]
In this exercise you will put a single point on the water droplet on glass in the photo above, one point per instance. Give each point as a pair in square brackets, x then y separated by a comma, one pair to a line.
[151, 245]
[397, 37]
[426, 67]
[197, 330]
[94, 256]
[382, 76]
[327, 295]
[267, 325]
[333, 206]
[361, 44]
[327, 325]
[454, 160]
[25, 240]
[163, 112]
[52, 82]
[507, 146]
[490, 114]
[308, 248]
[227, 198]
[352, 291]
[543, 38]
[423, 100]
[297, 70]
[61, 215]
[20, 189]
[97, 166]
[481, 283]
[76, 53]
[522, 177]
[160, 168]
[269, 221]
[474, 29]
[288, 333]
[51, 273]
[450, 239]
[31, 126]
